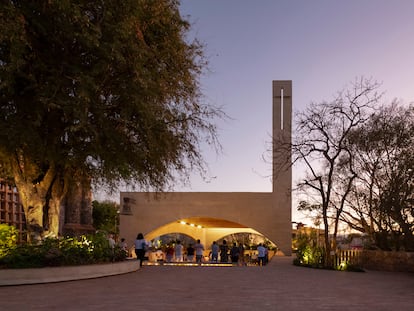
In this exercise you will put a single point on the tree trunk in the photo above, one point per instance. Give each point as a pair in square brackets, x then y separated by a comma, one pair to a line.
[33, 210]
[327, 258]
[40, 195]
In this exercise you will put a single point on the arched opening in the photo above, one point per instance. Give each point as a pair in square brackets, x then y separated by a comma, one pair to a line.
[163, 239]
[207, 216]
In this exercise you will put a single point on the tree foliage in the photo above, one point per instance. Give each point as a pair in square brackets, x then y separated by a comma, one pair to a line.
[8, 239]
[381, 204]
[104, 90]
[308, 250]
[105, 216]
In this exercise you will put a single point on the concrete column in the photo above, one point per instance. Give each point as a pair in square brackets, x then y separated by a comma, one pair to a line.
[282, 170]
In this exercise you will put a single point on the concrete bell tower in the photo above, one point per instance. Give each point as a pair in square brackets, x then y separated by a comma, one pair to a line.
[282, 158]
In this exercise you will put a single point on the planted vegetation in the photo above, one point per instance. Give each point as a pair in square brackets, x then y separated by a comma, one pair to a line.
[52, 252]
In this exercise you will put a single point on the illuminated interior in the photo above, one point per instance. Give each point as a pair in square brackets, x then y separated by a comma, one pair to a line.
[207, 230]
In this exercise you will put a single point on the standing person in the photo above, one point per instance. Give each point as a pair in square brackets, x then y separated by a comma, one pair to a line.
[234, 253]
[223, 252]
[241, 254]
[178, 251]
[124, 246]
[190, 253]
[261, 250]
[111, 241]
[199, 251]
[169, 253]
[140, 248]
[214, 251]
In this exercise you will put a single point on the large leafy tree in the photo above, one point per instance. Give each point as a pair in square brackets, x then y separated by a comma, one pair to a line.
[103, 90]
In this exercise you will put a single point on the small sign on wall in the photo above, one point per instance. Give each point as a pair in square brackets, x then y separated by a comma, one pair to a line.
[126, 206]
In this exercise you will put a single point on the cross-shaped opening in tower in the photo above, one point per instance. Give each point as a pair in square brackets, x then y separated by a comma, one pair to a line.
[281, 108]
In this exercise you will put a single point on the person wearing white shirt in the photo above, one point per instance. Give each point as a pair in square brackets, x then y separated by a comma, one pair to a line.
[178, 251]
[199, 251]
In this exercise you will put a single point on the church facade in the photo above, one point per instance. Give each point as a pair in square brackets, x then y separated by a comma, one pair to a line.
[209, 216]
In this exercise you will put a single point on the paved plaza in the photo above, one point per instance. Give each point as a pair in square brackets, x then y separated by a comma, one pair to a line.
[277, 286]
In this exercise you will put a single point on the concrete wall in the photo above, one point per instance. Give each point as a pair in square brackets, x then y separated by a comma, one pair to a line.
[153, 215]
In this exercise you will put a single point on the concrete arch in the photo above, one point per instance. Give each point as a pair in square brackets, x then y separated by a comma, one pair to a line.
[217, 214]
[213, 232]
[169, 229]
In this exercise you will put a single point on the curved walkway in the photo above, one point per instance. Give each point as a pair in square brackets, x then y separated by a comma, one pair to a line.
[277, 286]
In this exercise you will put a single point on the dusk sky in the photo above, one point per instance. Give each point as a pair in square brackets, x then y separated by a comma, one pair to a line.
[320, 45]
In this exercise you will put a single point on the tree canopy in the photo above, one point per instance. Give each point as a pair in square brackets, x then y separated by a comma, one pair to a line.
[104, 90]
[358, 160]
[381, 205]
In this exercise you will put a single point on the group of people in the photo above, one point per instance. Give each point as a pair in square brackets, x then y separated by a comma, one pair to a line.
[173, 252]
[223, 253]
[179, 253]
[122, 244]
[236, 253]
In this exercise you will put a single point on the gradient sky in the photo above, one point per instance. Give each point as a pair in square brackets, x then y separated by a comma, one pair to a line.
[320, 45]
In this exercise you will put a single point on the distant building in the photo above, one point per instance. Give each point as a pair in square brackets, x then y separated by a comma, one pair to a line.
[11, 210]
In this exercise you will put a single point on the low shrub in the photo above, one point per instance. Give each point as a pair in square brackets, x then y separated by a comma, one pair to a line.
[308, 252]
[69, 251]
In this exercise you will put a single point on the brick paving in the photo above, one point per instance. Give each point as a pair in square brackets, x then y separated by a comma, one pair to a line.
[277, 286]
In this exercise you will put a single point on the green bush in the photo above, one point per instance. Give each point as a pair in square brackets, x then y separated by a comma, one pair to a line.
[8, 239]
[23, 256]
[82, 250]
[309, 253]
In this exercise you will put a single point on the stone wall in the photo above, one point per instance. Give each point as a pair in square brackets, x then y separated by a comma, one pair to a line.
[388, 261]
